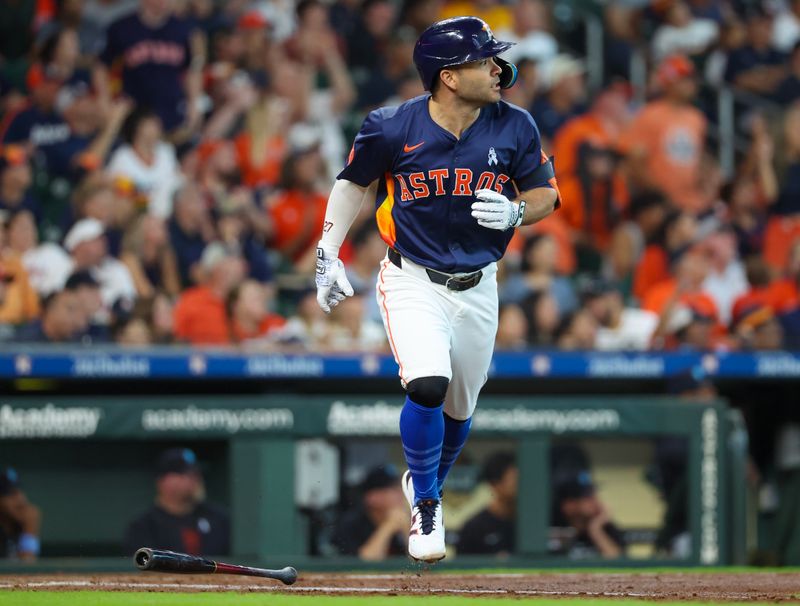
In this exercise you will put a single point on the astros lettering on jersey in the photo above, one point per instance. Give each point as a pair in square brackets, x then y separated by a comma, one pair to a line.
[428, 178]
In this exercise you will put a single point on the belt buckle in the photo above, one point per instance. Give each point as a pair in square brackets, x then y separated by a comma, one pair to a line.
[462, 283]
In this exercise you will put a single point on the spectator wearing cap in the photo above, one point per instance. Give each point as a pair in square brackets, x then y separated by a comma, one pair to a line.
[161, 64]
[619, 328]
[87, 246]
[591, 533]
[376, 528]
[180, 520]
[255, 33]
[20, 520]
[150, 258]
[565, 83]
[16, 179]
[47, 264]
[492, 530]
[148, 160]
[200, 314]
[664, 144]
[757, 67]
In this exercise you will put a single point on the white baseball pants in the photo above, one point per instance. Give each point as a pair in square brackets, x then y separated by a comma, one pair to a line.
[434, 331]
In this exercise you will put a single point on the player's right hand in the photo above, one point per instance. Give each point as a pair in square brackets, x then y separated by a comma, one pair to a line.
[332, 283]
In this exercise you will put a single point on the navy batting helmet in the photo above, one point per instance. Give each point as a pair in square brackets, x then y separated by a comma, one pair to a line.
[456, 41]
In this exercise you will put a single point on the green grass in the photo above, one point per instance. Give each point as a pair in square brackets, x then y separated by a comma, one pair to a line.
[104, 598]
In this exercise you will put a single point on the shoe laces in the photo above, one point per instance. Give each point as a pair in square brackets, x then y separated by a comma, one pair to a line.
[427, 514]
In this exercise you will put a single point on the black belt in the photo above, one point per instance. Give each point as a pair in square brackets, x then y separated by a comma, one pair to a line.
[452, 282]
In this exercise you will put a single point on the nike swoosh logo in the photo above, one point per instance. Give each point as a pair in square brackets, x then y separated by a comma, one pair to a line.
[410, 148]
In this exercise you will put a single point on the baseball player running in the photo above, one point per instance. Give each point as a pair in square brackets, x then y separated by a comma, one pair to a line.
[452, 173]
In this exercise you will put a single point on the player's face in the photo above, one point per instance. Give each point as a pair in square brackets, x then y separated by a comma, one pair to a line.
[479, 82]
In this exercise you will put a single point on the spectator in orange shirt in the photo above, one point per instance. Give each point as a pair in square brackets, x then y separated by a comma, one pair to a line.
[201, 316]
[690, 271]
[299, 210]
[587, 168]
[19, 302]
[677, 232]
[250, 317]
[664, 145]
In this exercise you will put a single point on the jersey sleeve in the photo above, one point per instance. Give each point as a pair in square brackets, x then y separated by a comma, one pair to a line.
[529, 157]
[370, 156]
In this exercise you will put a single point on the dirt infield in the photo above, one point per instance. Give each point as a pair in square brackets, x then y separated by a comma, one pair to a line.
[712, 587]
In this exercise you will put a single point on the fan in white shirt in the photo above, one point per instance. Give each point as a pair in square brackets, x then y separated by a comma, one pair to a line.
[148, 161]
[683, 34]
[620, 328]
[87, 247]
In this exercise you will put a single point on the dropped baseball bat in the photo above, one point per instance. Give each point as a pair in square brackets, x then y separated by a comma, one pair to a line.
[160, 560]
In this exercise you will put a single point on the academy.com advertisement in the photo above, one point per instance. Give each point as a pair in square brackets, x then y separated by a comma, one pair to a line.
[227, 416]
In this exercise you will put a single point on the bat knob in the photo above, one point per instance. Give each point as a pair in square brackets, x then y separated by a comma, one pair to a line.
[143, 558]
[289, 575]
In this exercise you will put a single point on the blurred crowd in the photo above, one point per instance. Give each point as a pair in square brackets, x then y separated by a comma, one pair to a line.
[165, 164]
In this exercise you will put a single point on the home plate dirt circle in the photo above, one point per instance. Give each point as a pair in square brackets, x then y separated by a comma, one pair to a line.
[716, 587]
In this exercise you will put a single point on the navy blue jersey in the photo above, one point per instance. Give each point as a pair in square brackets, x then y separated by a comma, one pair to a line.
[428, 178]
[153, 62]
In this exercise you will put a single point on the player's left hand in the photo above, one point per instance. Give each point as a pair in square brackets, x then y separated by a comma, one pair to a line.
[495, 211]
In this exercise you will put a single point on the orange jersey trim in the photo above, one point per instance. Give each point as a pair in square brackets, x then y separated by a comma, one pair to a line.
[383, 216]
[553, 182]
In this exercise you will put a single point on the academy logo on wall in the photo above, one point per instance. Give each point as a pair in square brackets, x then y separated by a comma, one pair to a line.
[48, 421]
[230, 421]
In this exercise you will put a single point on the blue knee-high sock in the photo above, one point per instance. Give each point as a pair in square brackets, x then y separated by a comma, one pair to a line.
[421, 431]
[455, 436]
